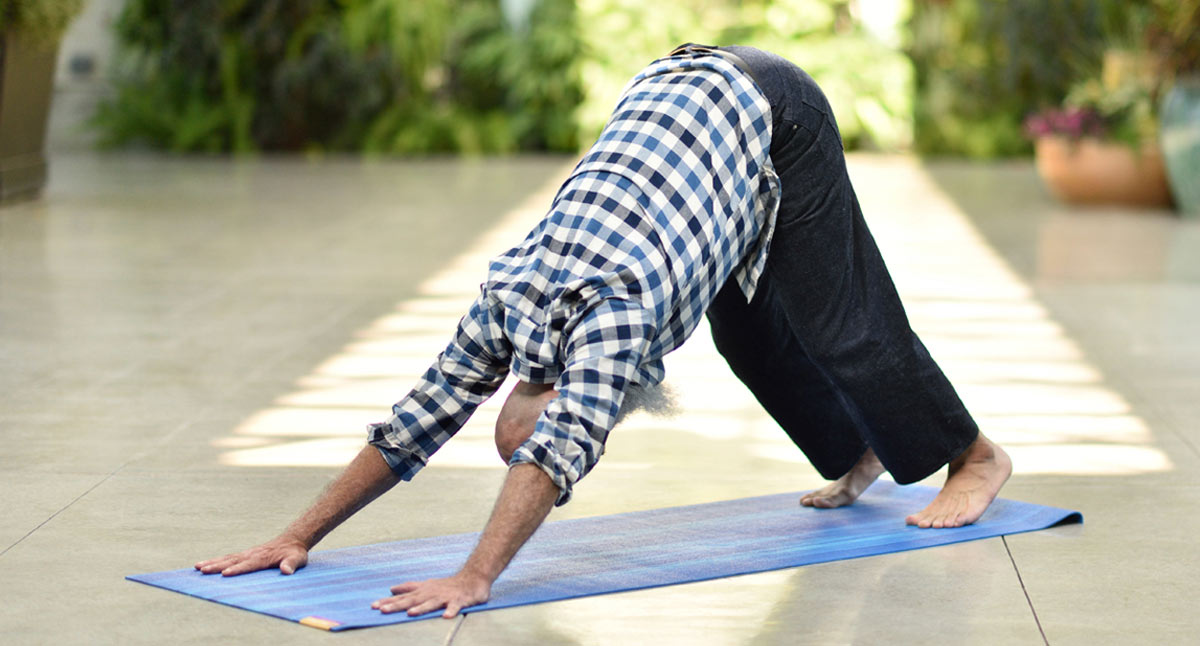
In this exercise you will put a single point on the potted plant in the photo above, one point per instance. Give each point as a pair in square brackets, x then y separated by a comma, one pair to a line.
[1100, 146]
[29, 34]
[1174, 35]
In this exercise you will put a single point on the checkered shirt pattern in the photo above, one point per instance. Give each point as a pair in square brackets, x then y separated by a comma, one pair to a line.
[677, 195]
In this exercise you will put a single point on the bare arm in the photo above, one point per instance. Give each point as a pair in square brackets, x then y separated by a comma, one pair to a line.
[590, 392]
[526, 499]
[363, 480]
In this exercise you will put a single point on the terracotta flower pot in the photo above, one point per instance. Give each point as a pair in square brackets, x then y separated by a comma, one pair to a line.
[1092, 171]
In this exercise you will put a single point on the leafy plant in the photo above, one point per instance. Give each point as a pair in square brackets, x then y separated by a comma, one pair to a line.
[1127, 111]
[1173, 34]
[500, 89]
[41, 20]
[1124, 114]
[867, 80]
[1072, 123]
[981, 65]
[391, 76]
[397, 76]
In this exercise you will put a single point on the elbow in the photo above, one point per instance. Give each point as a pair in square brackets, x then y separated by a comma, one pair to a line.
[519, 415]
[509, 438]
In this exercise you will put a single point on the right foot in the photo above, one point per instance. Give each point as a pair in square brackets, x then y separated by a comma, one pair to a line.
[847, 488]
[974, 480]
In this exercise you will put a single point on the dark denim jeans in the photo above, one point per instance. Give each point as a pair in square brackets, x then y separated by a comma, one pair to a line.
[825, 345]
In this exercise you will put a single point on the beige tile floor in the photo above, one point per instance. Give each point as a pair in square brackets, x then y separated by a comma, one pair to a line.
[190, 348]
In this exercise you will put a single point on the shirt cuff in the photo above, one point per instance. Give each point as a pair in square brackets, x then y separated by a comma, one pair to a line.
[560, 470]
[404, 463]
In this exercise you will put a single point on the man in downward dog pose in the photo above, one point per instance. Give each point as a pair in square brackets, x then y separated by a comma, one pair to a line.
[718, 187]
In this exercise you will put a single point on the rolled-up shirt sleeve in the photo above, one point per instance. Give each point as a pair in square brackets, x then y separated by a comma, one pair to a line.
[603, 353]
[464, 375]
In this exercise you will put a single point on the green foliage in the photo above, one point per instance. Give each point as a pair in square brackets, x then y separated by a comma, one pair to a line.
[401, 76]
[867, 81]
[501, 90]
[41, 20]
[982, 66]
[388, 76]
[1173, 33]
[1127, 109]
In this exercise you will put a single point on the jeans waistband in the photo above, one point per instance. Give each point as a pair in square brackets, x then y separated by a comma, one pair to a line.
[693, 48]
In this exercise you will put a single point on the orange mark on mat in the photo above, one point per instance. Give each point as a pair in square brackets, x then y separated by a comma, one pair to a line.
[320, 622]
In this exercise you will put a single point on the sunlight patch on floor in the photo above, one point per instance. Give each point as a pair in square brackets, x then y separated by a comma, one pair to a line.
[322, 422]
[1026, 381]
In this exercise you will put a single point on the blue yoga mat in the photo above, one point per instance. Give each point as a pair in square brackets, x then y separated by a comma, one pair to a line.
[605, 554]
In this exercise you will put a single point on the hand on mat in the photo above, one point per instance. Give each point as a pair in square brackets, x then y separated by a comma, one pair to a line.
[453, 594]
[287, 553]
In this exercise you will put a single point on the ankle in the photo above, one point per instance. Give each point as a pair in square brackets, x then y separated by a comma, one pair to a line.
[866, 471]
[978, 451]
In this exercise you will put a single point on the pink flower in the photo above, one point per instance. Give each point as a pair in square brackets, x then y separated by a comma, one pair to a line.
[1073, 122]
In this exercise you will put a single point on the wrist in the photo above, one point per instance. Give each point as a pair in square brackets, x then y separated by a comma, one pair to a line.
[476, 575]
[300, 539]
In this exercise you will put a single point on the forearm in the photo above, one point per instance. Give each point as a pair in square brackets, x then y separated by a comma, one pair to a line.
[364, 479]
[527, 497]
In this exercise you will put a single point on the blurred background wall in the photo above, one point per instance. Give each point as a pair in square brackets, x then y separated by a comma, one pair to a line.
[83, 76]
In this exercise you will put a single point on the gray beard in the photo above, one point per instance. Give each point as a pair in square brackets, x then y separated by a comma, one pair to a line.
[658, 400]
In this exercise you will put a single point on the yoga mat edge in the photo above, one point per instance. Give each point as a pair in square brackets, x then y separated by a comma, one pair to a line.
[584, 557]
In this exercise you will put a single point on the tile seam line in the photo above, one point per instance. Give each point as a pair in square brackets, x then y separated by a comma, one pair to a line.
[61, 510]
[1024, 590]
[162, 441]
[1153, 413]
[1156, 412]
[169, 436]
[462, 618]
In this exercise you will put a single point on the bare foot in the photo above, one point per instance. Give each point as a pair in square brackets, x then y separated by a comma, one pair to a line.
[847, 488]
[974, 479]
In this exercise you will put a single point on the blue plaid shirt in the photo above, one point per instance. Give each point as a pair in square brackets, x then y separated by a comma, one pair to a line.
[677, 195]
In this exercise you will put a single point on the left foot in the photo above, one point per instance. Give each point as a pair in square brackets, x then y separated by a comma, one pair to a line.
[847, 488]
[974, 480]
